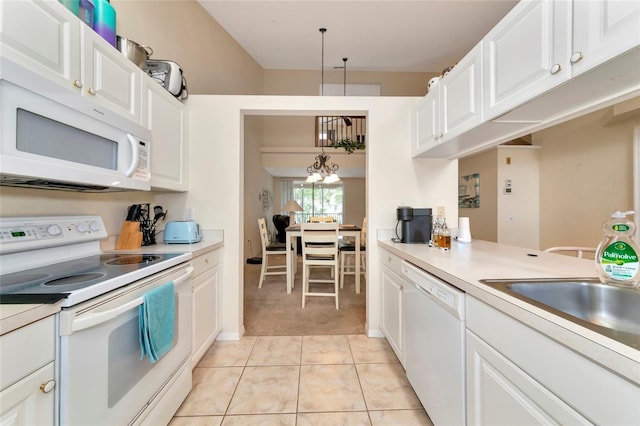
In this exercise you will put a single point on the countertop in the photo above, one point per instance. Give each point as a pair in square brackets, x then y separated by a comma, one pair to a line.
[467, 263]
[13, 317]
[211, 240]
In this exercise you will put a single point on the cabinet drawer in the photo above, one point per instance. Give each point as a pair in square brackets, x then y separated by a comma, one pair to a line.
[27, 349]
[392, 262]
[205, 262]
[28, 402]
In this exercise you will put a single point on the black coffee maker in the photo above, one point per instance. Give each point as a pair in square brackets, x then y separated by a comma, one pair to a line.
[416, 224]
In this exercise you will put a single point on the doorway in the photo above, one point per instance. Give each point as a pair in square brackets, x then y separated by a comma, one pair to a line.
[270, 310]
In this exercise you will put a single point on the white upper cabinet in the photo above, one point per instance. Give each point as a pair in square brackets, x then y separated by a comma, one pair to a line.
[526, 54]
[603, 30]
[45, 39]
[109, 77]
[427, 116]
[545, 62]
[453, 106]
[167, 119]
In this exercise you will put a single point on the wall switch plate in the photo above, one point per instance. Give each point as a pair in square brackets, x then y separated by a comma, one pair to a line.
[189, 213]
[440, 211]
[507, 187]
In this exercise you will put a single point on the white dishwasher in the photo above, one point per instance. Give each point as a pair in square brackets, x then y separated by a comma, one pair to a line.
[434, 314]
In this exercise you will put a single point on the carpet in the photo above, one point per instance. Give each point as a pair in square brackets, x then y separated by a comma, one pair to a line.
[270, 311]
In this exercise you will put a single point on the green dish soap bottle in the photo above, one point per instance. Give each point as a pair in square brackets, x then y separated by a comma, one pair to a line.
[617, 254]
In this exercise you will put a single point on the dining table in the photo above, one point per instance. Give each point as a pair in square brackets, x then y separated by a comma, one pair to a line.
[292, 234]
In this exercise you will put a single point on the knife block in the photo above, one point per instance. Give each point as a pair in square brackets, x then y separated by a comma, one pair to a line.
[130, 237]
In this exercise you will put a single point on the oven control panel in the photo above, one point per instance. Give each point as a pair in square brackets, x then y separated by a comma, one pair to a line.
[32, 233]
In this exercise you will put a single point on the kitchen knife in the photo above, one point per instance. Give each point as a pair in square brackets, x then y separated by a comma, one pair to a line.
[133, 213]
[157, 210]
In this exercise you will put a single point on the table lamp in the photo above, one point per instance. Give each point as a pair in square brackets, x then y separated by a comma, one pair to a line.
[292, 207]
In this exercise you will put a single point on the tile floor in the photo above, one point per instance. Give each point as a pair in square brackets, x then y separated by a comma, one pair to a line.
[301, 380]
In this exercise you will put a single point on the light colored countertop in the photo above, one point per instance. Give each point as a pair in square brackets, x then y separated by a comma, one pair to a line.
[13, 317]
[211, 240]
[465, 264]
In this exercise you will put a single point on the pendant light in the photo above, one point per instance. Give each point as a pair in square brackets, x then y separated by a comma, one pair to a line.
[321, 169]
[347, 120]
[344, 79]
[322, 31]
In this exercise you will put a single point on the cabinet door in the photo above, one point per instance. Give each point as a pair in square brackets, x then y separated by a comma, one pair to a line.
[461, 95]
[166, 118]
[206, 322]
[498, 392]
[110, 79]
[427, 117]
[526, 54]
[43, 37]
[29, 401]
[602, 30]
[392, 310]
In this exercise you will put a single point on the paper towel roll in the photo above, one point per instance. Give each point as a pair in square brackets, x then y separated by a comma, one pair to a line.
[464, 231]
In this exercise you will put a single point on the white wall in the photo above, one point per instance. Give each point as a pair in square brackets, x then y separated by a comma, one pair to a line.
[393, 178]
[519, 211]
[256, 180]
[586, 173]
[483, 220]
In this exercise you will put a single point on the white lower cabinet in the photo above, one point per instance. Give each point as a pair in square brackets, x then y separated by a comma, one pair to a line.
[498, 392]
[27, 375]
[516, 375]
[392, 323]
[206, 308]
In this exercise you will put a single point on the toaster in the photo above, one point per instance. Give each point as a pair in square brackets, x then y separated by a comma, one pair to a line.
[169, 75]
[182, 232]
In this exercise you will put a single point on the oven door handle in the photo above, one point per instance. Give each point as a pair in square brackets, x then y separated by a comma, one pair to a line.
[91, 320]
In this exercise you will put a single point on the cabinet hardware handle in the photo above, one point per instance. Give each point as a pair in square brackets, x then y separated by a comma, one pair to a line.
[48, 386]
[206, 261]
[77, 83]
[388, 259]
[576, 57]
[91, 91]
[555, 69]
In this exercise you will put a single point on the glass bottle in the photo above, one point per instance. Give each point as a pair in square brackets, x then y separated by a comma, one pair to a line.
[435, 230]
[444, 236]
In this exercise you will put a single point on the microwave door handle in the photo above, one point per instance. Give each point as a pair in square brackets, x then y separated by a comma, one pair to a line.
[91, 320]
[134, 155]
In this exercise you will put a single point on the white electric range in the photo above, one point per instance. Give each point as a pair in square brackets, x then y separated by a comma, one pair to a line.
[58, 259]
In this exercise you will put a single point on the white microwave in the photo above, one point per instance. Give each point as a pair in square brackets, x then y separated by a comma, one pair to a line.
[45, 144]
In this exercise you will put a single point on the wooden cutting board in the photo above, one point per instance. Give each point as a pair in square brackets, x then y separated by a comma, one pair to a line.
[130, 237]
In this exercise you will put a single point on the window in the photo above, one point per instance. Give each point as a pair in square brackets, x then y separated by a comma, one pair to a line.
[319, 199]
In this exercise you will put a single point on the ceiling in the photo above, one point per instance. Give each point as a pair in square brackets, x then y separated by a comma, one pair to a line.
[392, 35]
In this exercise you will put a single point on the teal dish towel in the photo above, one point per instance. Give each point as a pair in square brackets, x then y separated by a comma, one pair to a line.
[157, 317]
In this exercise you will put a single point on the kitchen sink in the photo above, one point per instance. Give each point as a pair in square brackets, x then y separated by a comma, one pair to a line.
[605, 309]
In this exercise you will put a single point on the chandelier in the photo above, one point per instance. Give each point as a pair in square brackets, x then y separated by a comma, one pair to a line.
[321, 170]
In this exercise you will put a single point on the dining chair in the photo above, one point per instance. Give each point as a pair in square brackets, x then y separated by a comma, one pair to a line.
[348, 252]
[321, 219]
[319, 249]
[270, 250]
